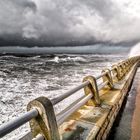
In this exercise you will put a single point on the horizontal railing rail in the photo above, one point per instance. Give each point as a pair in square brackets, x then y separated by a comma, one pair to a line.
[42, 108]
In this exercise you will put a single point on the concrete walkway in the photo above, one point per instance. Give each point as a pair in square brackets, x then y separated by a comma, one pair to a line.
[127, 124]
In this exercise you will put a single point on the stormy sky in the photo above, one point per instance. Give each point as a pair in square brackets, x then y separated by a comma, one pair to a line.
[58, 22]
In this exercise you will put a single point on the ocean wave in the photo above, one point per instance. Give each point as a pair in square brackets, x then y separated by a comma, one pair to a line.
[58, 59]
[8, 56]
[24, 79]
[135, 51]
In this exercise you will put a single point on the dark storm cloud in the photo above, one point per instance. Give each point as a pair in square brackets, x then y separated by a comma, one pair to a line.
[61, 21]
[25, 4]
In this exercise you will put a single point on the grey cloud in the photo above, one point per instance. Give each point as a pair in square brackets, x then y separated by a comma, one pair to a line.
[105, 8]
[12, 15]
[61, 21]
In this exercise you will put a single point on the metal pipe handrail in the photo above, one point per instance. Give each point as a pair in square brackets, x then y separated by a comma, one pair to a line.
[75, 102]
[75, 89]
[101, 75]
[71, 110]
[17, 122]
[102, 85]
[62, 113]
[68, 93]
[14, 124]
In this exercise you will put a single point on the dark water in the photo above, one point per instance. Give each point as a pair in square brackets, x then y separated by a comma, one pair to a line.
[25, 78]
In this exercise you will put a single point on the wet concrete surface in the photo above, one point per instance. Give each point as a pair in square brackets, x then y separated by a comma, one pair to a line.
[135, 126]
[127, 123]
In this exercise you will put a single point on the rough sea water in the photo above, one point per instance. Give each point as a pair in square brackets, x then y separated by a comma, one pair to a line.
[23, 79]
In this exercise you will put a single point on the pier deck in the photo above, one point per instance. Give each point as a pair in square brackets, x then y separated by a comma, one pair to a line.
[127, 124]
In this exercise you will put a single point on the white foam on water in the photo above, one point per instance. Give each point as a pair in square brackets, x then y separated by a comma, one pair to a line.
[19, 84]
[67, 59]
[135, 51]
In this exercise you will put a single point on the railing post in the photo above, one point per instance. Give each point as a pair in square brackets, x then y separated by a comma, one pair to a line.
[116, 69]
[108, 77]
[45, 123]
[92, 88]
[126, 66]
[121, 70]
[129, 65]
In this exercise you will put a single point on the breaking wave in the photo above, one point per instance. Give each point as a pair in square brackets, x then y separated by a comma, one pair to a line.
[135, 51]
[23, 79]
[58, 59]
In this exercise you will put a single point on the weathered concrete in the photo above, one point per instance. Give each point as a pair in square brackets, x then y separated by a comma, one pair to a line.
[135, 125]
[91, 122]
[94, 119]
[127, 124]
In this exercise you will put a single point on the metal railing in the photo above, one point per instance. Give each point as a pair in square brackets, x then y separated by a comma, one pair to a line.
[43, 121]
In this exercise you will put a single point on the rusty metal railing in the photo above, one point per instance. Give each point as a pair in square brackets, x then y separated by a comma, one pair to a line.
[44, 122]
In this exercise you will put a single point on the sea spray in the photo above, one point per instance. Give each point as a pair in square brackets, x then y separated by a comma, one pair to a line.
[135, 51]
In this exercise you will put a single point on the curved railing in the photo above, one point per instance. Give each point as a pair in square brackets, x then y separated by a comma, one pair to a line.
[43, 121]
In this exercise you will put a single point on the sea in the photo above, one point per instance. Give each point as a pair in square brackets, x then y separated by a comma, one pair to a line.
[24, 78]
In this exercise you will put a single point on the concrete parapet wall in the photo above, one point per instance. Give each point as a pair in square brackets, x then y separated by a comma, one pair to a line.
[91, 122]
